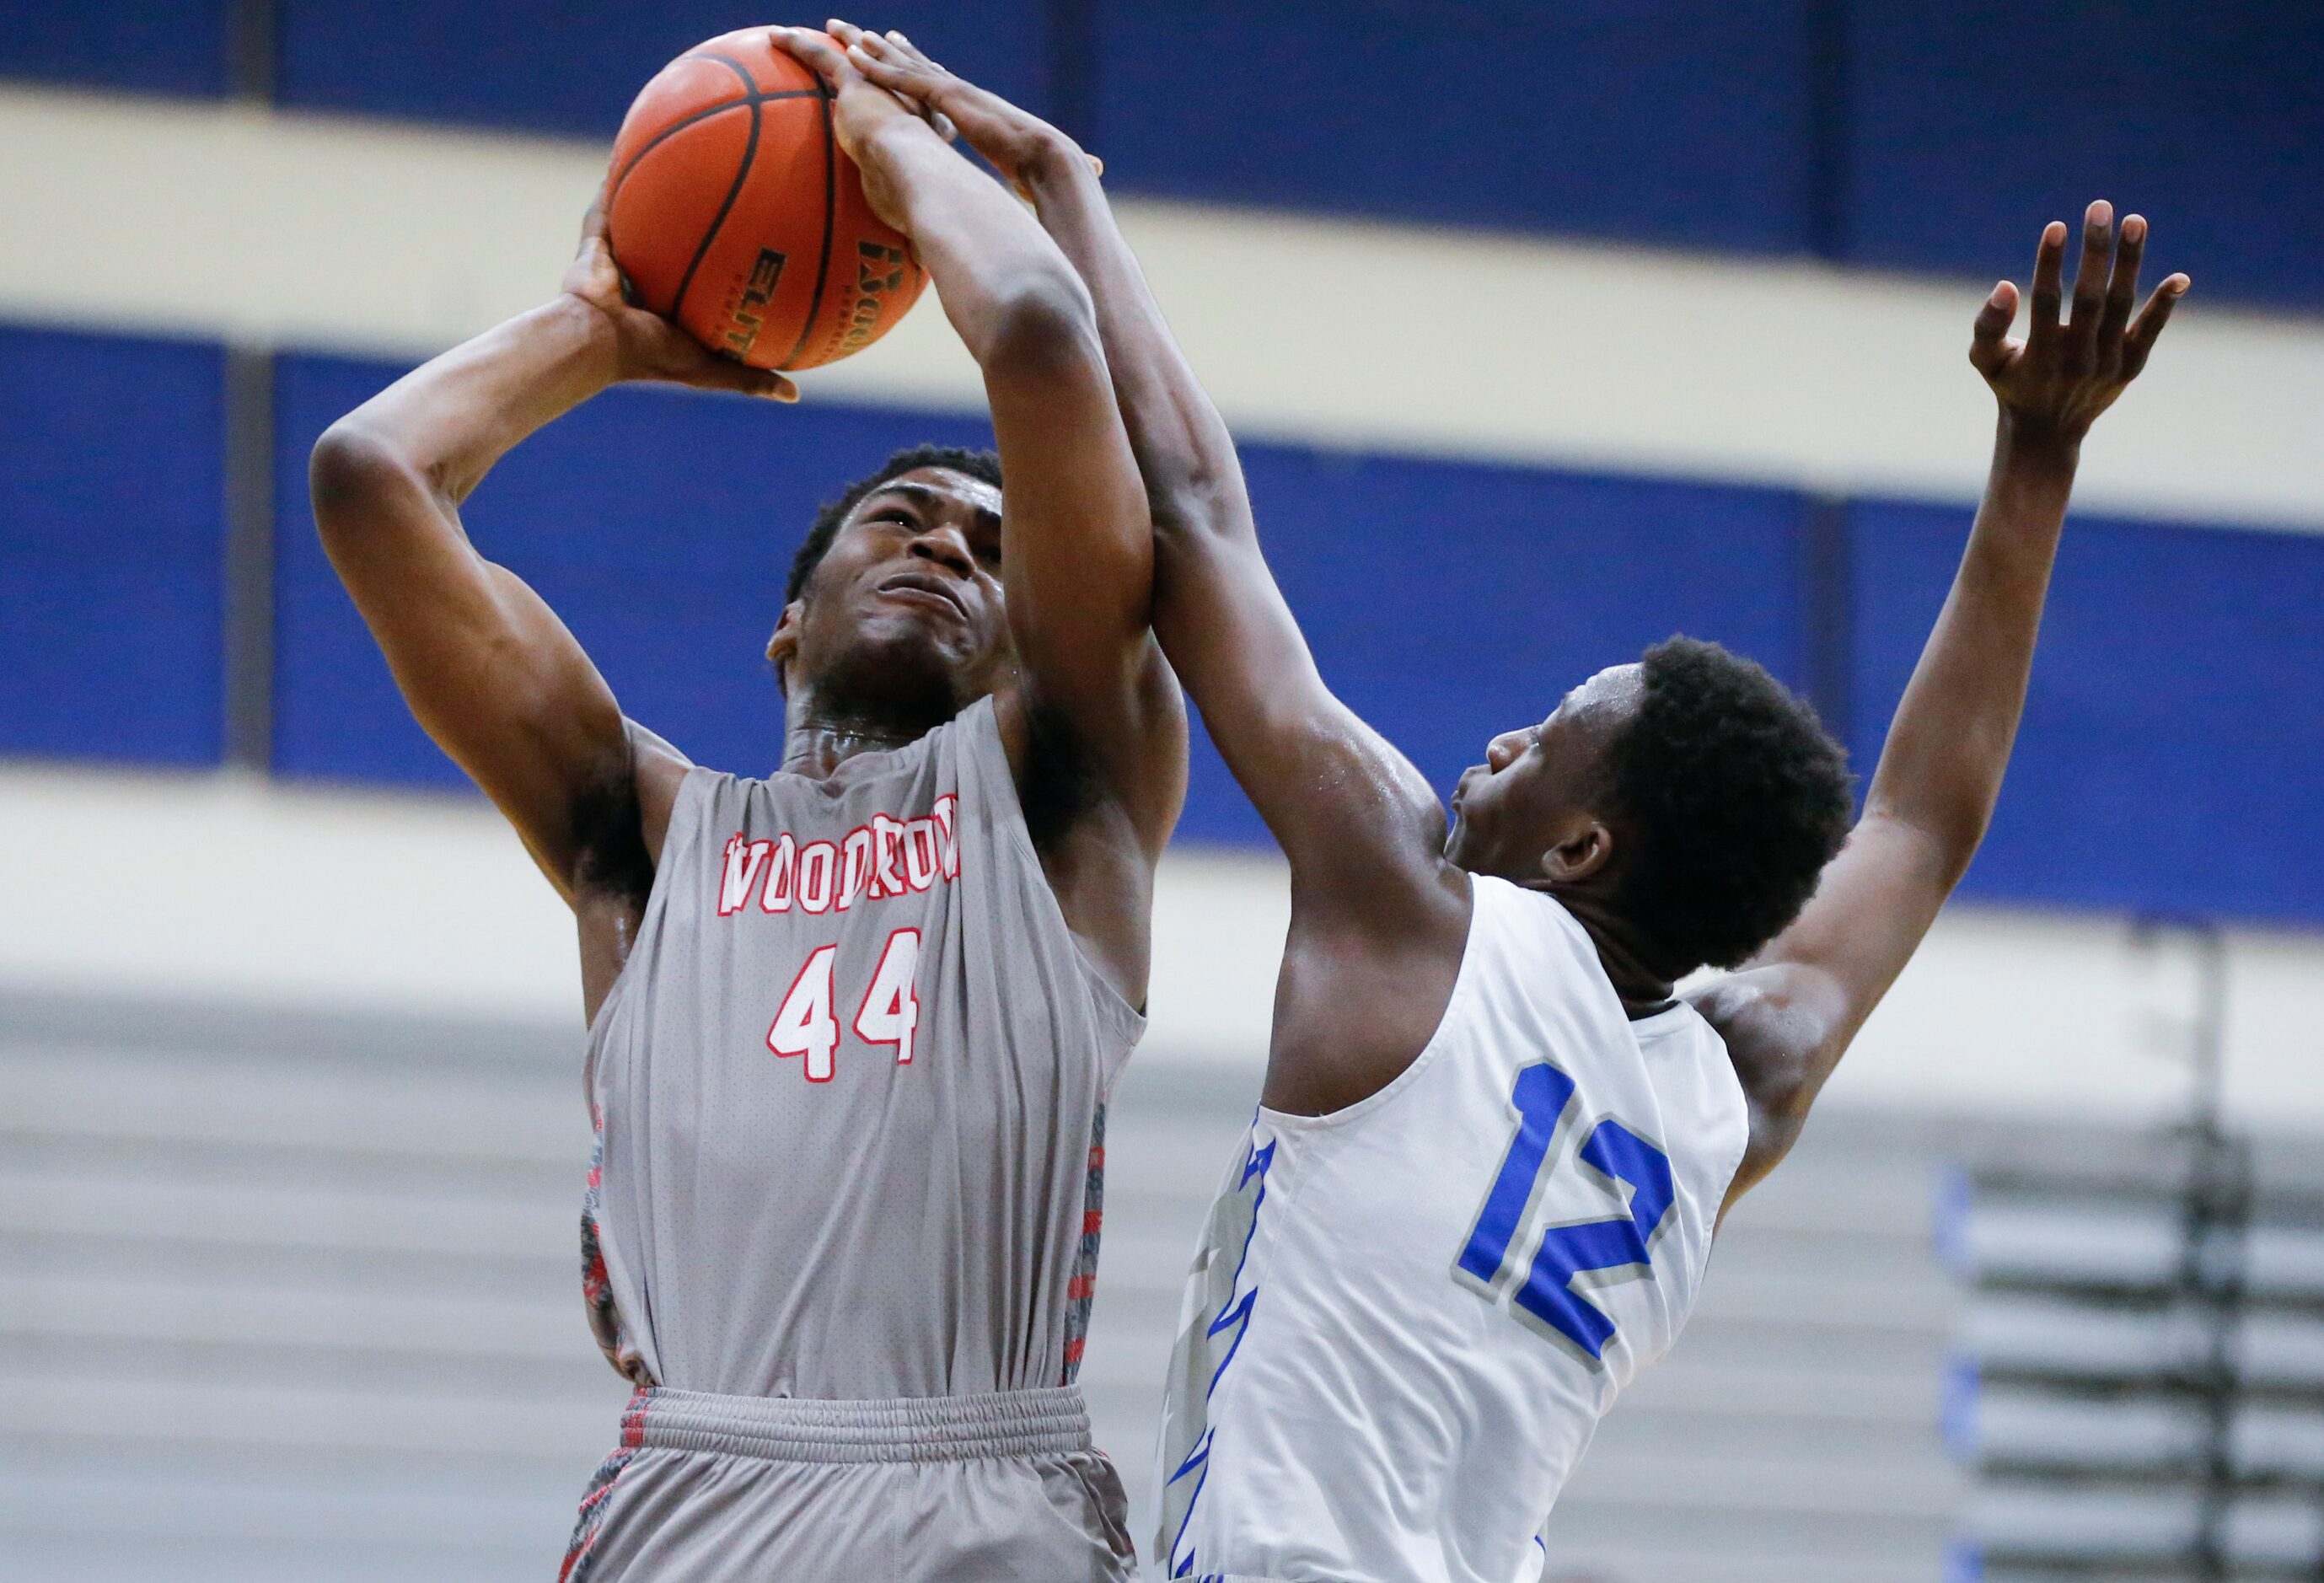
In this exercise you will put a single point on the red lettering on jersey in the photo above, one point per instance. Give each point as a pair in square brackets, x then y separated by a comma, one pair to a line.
[920, 861]
[948, 846]
[782, 871]
[854, 865]
[818, 865]
[742, 860]
[887, 856]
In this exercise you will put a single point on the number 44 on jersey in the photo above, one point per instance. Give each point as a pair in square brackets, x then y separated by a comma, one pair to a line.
[807, 1024]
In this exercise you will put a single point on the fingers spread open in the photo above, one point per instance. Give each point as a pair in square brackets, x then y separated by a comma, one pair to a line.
[2140, 340]
[2049, 284]
[2091, 282]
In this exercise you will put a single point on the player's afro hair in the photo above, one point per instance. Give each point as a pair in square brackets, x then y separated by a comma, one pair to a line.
[980, 465]
[1737, 798]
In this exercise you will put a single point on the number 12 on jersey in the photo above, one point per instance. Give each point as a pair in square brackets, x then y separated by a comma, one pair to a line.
[1606, 1248]
[890, 1013]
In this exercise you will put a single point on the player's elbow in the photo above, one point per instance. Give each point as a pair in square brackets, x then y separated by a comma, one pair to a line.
[353, 474]
[1042, 325]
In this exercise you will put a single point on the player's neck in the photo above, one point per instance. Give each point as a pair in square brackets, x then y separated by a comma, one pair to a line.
[820, 737]
[1643, 988]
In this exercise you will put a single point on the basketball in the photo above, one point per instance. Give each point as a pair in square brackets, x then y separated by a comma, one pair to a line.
[732, 211]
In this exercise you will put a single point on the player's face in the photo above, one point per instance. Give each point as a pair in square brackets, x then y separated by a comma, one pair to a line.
[910, 588]
[1538, 783]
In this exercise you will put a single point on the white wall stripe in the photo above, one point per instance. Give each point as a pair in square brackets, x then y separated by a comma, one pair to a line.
[307, 231]
[325, 899]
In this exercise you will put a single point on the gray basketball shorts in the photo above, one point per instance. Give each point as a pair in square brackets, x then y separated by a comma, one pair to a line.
[749, 1489]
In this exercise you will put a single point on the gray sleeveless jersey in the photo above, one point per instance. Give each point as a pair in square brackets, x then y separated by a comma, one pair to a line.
[850, 1092]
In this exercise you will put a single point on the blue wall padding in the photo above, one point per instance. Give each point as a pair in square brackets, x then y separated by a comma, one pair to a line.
[1972, 122]
[1675, 121]
[152, 46]
[112, 548]
[573, 66]
[658, 523]
[1448, 601]
[2172, 753]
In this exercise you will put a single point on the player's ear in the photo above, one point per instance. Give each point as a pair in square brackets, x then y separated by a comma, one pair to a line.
[783, 645]
[1583, 849]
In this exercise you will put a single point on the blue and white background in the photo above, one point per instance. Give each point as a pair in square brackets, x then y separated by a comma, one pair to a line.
[1548, 329]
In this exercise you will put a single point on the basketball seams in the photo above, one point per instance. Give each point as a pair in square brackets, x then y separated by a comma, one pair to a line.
[830, 219]
[661, 198]
[733, 191]
[614, 189]
[750, 97]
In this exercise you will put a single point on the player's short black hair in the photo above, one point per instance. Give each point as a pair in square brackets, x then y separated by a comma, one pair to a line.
[1736, 796]
[981, 464]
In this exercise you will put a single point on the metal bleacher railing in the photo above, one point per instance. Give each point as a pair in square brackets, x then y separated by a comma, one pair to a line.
[2139, 1383]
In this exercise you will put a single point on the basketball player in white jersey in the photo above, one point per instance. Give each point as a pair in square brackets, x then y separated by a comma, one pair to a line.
[853, 1025]
[1494, 1142]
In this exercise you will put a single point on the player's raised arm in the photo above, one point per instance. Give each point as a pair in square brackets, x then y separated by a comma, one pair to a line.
[1098, 730]
[1788, 1016]
[487, 667]
[1352, 815]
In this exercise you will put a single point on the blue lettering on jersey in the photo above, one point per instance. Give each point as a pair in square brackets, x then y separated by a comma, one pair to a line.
[1613, 1248]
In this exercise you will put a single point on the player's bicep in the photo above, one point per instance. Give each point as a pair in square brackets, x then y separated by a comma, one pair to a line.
[487, 669]
[1872, 905]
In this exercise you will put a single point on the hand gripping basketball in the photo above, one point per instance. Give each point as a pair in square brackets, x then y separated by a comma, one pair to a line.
[648, 347]
[734, 207]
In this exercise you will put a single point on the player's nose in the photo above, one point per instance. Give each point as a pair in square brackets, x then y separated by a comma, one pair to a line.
[944, 545]
[1503, 749]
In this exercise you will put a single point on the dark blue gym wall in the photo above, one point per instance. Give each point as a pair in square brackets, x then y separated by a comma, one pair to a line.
[2173, 757]
[2173, 754]
[112, 548]
[1885, 131]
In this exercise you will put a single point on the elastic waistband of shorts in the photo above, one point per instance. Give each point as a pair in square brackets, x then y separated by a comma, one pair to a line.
[903, 1429]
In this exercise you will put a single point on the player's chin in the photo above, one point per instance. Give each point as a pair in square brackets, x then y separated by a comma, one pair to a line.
[1456, 844]
[917, 639]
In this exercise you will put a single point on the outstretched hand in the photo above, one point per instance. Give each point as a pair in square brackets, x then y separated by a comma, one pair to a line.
[1016, 142]
[648, 346]
[2063, 375]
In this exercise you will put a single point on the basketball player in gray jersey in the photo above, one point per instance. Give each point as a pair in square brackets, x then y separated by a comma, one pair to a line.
[853, 1025]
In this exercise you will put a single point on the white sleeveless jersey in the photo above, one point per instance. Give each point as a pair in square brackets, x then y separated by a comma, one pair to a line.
[1406, 1317]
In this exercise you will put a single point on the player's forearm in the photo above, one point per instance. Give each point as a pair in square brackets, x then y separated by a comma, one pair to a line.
[1193, 478]
[450, 421]
[1940, 770]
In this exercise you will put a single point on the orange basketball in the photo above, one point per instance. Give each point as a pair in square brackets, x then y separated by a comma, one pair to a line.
[732, 211]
